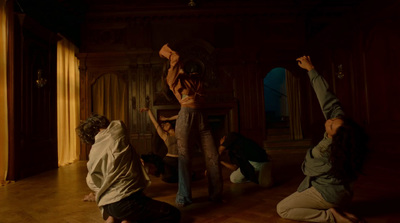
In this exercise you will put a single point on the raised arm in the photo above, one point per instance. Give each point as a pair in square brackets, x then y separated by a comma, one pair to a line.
[163, 118]
[159, 130]
[175, 67]
[328, 101]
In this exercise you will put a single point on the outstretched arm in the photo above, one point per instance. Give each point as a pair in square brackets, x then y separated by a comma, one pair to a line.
[229, 165]
[221, 149]
[163, 118]
[160, 131]
[328, 101]
[175, 66]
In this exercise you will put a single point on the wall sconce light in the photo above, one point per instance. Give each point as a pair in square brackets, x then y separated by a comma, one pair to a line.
[40, 82]
[192, 3]
[340, 73]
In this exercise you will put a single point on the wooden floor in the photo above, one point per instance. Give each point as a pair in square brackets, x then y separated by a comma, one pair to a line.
[56, 196]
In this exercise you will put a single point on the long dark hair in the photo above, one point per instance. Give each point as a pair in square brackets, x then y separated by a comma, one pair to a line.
[88, 129]
[348, 151]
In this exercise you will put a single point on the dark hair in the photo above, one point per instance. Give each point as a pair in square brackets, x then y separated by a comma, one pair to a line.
[172, 122]
[156, 160]
[348, 151]
[88, 129]
[193, 67]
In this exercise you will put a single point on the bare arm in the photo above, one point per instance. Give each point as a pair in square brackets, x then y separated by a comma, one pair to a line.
[159, 130]
[163, 118]
[229, 165]
[221, 149]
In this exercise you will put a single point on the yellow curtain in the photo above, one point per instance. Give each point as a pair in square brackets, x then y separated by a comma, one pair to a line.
[3, 95]
[293, 91]
[109, 97]
[67, 102]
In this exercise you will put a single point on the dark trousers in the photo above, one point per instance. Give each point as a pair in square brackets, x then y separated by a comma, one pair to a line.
[142, 209]
[170, 174]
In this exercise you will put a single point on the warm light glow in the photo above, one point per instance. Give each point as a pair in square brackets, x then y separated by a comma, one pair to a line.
[3, 95]
[68, 100]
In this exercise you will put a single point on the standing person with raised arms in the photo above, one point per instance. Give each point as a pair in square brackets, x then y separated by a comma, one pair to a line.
[186, 82]
[332, 166]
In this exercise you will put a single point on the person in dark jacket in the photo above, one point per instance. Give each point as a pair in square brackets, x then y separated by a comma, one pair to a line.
[248, 160]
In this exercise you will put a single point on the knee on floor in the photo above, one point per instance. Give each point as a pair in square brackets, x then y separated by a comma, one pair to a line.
[281, 210]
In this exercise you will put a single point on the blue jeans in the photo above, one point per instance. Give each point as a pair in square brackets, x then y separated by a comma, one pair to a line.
[191, 126]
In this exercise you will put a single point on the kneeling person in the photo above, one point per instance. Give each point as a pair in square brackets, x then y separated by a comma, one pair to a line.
[248, 160]
[116, 175]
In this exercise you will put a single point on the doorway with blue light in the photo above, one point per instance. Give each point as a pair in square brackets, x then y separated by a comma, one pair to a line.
[282, 106]
[276, 99]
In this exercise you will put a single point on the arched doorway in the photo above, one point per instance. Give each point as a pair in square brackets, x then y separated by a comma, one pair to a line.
[275, 98]
[282, 108]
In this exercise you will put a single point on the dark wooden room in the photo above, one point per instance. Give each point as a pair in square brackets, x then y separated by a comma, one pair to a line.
[62, 60]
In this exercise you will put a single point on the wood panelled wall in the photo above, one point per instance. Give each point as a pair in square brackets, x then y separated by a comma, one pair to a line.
[244, 45]
[32, 109]
[367, 45]
[241, 48]
[238, 46]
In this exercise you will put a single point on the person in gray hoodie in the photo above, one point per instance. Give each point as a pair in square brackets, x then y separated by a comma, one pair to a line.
[332, 166]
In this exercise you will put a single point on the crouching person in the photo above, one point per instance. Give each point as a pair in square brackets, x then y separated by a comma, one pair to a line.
[248, 161]
[117, 177]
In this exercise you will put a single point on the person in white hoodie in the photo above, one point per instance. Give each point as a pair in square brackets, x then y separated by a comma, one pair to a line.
[117, 176]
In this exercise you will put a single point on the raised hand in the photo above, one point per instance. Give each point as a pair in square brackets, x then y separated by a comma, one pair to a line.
[144, 109]
[305, 63]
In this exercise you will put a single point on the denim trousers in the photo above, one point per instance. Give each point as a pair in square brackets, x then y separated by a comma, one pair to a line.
[191, 127]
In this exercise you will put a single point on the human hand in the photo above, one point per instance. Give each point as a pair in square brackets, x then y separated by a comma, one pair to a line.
[163, 118]
[305, 63]
[222, 140]
[91, 197]
[144, 109]
[221, 149]
[165, 51]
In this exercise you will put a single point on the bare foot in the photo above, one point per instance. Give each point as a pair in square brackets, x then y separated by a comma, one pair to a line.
[110, 219]
[343, 217]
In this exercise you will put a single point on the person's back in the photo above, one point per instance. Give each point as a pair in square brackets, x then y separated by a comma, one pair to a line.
[117, 177]
[121, 171]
